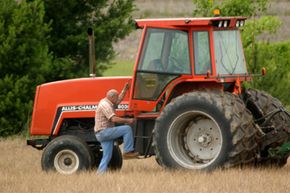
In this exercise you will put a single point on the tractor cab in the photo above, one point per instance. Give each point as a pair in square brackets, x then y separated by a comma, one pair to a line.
[185, 50]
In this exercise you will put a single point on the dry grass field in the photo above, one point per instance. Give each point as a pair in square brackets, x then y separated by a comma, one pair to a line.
[20, 171]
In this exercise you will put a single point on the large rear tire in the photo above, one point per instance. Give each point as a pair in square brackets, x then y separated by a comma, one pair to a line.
[67, 155]
[203, 131]
[260, 104]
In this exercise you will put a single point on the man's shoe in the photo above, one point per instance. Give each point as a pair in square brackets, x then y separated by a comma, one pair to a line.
[131, 155]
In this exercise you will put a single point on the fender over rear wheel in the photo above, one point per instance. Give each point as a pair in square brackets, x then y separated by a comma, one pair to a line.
[204, 130]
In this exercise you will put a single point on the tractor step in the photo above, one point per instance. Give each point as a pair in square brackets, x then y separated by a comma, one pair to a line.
[38, 143]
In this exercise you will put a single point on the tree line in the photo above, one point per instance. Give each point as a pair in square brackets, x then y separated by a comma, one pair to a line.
[45, 40]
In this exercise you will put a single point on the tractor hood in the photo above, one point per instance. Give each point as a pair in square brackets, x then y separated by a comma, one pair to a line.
[78, 95]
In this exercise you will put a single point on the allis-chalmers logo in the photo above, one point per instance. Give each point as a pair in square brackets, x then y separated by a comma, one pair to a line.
[89, 107]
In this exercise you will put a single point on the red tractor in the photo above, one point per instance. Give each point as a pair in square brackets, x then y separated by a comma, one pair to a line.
[187, 98]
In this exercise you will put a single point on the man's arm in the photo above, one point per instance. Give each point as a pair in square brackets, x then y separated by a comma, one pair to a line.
[116, 119]
[123, 93]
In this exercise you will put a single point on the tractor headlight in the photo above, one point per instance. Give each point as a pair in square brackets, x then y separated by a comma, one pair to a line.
[225, 23]
[242, 23]
[220, 24]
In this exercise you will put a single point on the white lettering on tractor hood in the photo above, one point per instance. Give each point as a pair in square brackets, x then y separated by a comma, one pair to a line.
[79, 108]
[89, 107]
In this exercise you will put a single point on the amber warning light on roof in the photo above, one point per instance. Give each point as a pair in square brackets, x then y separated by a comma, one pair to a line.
[216, 12]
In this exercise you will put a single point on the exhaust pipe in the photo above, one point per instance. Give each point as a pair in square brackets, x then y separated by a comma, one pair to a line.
[92, 52]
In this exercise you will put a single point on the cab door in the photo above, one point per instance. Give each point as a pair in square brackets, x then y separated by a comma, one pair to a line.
[164, 58]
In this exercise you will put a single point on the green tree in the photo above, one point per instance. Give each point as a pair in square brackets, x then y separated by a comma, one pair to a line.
[275, 57]
[23, 57]
[69, 22]
[229, 7]
[42, 41]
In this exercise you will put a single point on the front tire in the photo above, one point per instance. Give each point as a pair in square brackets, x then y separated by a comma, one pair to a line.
[66, 155]
[204, 131]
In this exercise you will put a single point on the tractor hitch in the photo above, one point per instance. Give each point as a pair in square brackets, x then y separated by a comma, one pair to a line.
[38, 143]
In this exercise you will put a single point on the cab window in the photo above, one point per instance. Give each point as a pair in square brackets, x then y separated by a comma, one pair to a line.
[164, 57]
[202, 61]
[166, 51]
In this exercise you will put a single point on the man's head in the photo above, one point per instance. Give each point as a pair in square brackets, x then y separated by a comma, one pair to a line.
[113, 96]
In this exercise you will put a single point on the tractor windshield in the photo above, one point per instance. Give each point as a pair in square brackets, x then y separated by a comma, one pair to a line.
[229, 57]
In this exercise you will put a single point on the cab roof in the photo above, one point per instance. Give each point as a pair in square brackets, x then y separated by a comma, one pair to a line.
[186, 22]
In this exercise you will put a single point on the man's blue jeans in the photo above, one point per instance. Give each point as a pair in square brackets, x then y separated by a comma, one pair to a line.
[107, 136]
